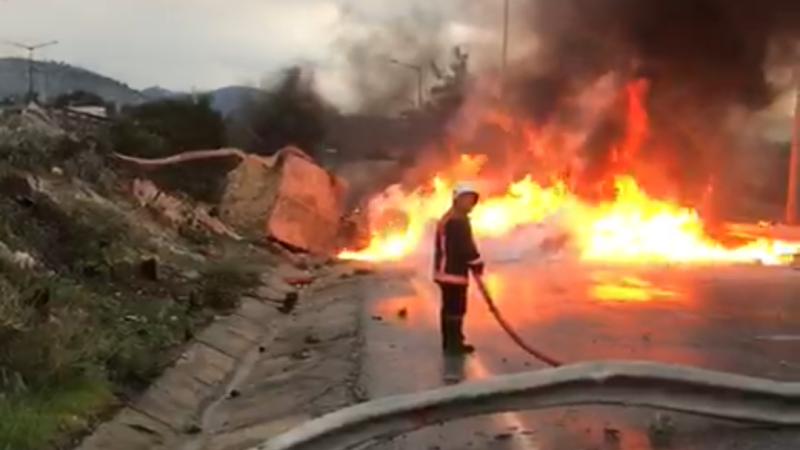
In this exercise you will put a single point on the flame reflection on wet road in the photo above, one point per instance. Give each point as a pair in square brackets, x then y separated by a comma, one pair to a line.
[744, 320]
[610, 286]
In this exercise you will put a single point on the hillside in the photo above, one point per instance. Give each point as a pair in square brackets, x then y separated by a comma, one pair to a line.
[103, 278]
[55, 78]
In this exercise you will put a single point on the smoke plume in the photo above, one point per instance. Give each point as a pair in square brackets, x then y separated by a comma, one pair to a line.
[717, 48]
[383, 54]
[702, 60]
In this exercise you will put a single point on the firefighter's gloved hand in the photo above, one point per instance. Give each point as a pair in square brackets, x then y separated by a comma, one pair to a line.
[477, 269]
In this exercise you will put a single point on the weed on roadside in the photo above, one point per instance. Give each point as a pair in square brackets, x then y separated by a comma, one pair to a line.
[30, 418]
[223, 283]
[103, 312]
[69, 348]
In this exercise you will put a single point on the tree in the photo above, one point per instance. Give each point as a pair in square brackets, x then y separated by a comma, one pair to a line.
[79, 98]
[167, 127]
[188, 123]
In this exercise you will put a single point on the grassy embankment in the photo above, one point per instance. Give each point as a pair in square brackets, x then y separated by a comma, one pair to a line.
[108, 305]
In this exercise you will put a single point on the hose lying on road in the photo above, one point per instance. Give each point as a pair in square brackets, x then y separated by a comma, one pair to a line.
[675, 388]
[509, 330]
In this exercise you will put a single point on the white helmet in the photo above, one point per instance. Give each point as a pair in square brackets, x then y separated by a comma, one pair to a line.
[464, 187]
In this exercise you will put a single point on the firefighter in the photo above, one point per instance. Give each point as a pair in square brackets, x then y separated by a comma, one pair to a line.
[455, 256]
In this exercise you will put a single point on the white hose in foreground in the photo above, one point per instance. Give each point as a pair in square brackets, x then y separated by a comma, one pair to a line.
[682, 389]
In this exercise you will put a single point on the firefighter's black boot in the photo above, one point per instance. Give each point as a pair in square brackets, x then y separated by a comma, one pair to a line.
[446, 331]
[453, 337]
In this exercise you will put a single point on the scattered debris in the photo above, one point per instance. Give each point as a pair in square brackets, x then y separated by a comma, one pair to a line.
[402, 313]
[149, 269]
[301, 354]
[289, 303]
[192, 428]
[611, 435]
[23, 260]
[177, 211]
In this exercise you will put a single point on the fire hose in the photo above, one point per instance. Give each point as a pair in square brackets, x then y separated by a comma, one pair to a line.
[487, 296]
[668, 387]
[681, 389]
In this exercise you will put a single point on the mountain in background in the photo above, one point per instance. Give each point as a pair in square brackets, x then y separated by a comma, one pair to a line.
[228, 99]
[52, 79]
[158, 93]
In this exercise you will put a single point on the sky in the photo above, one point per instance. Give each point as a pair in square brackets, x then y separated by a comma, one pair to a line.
[175, 44]
[186, 44]
[207, 44]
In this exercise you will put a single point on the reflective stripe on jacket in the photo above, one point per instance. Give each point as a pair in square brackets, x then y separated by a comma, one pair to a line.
[455, 249]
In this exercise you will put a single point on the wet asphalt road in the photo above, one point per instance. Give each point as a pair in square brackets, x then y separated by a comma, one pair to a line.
[738, 319]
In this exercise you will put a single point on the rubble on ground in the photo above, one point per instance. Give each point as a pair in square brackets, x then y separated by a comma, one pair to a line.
[178, 211]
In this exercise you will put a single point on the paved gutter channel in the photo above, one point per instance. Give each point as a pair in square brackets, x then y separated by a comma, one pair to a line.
[252, 374]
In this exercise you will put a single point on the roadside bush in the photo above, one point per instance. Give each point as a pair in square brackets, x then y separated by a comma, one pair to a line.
[222, 284]
[85, 241]
[47, 334]
[29, 419]
[68, 349]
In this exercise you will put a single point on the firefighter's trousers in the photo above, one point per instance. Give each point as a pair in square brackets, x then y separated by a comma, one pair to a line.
[451, 315]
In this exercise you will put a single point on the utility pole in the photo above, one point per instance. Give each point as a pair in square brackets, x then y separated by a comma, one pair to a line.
[794, 156]
[31, 49]
[504, 51]
[510, 134]
[420, 78]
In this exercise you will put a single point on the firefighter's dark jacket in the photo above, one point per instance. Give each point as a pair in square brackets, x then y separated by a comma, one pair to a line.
[455, 250]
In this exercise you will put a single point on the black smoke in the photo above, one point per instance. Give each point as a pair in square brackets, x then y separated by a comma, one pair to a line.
[701, 58]
[717, 49]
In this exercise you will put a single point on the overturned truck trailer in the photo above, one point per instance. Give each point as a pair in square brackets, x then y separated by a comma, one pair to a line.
[287, 196]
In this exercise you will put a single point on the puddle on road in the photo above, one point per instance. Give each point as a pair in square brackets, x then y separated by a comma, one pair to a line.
[609, 286]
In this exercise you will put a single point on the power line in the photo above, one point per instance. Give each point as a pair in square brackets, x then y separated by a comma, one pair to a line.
[31, 49]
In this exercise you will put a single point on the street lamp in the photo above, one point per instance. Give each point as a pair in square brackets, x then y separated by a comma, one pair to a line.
[31, 49]
[794, 156]
[420, 74]
[504, 51]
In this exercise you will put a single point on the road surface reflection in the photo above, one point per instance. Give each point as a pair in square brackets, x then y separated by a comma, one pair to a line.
[743, 320]
[610, 286]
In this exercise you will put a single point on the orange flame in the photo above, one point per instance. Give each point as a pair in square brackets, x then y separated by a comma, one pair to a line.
[633, 227]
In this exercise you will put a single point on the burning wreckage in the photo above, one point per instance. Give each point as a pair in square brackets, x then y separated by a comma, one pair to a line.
[616, 208]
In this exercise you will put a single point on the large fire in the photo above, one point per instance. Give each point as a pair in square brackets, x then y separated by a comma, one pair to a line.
[632, 227]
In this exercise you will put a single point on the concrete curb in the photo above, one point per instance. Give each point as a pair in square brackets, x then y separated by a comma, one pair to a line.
[174, 412]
